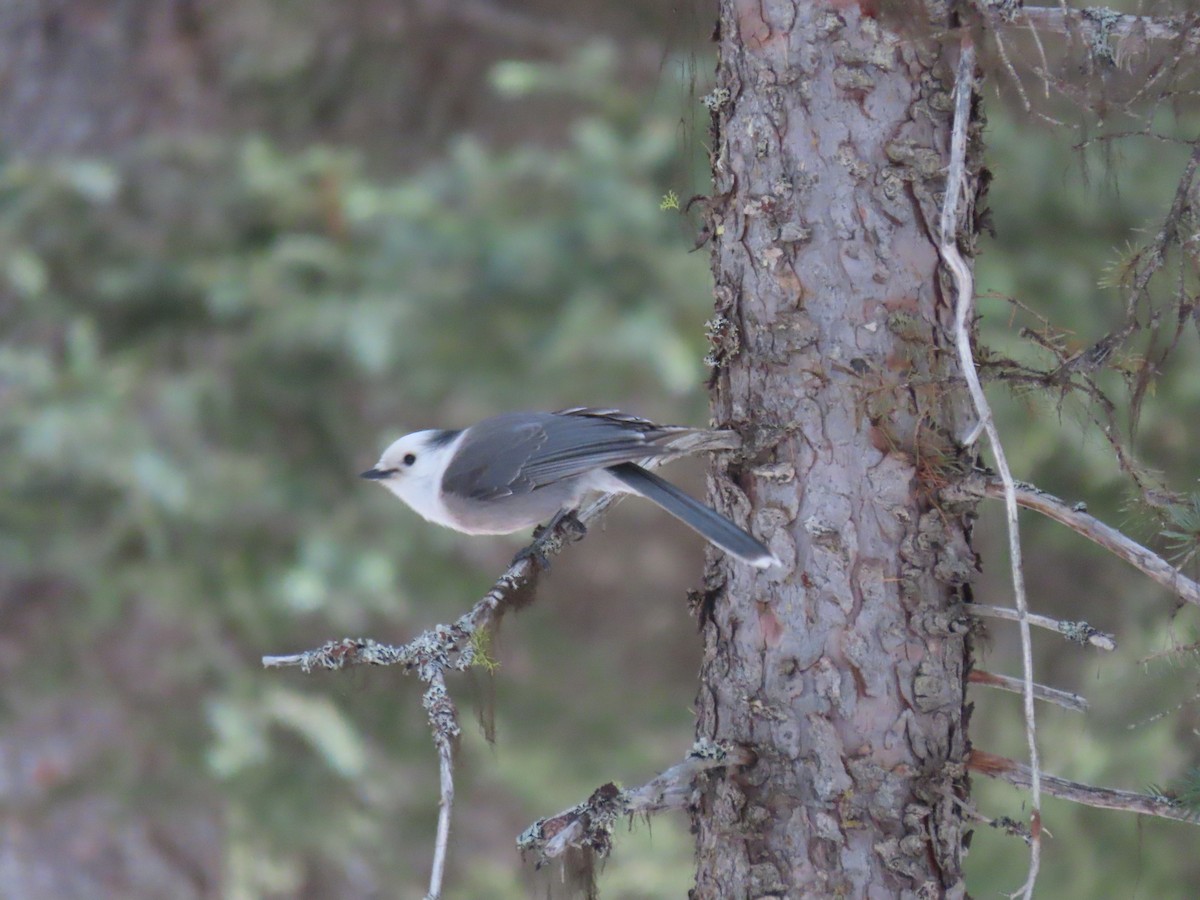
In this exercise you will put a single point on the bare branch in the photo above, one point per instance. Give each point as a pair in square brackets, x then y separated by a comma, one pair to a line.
[1045, 63]
[1078, 520]
[1065, 699]
[1064, 20]
[536, 32]
[1163, 713]
[1012, 71]
[1004, 823]
[689, 443]
[964, 286]
[446, 647]
[1078, 632]
[588, 825]
[1016, 774]
[341, 654]
[443, 721]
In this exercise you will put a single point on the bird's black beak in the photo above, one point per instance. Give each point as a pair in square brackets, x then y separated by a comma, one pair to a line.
[377, 474]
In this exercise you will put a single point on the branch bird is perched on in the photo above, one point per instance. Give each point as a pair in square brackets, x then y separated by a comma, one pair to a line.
[517, 470]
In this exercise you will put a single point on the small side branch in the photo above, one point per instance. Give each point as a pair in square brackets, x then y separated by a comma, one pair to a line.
[1062, 20]
[1065, 699]
[1078, 520]
[499, 21]
[342, 654]
[588, 826]
[1077, 632]
[1004, 823]
[1018, 775]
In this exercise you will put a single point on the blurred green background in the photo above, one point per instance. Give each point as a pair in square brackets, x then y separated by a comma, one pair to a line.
[243, 246]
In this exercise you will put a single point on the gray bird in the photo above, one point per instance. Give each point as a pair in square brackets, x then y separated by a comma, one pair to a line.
[516, 470]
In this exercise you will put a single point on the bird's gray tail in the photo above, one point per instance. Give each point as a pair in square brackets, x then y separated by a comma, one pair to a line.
[710, 523]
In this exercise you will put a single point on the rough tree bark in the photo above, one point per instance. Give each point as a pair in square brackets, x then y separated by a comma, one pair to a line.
[833, 357]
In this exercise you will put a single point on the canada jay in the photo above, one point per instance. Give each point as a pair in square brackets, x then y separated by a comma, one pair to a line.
[516, 470]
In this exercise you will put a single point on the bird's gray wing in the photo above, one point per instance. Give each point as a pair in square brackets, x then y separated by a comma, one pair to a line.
[517, 453]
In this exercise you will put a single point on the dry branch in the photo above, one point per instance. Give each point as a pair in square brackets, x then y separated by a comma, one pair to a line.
[538, 32]
[1107, 22]
[588, 826]
[1078, 520]
[1077, 632]
[1065, 699]
[1016, 774]
[1004, 823]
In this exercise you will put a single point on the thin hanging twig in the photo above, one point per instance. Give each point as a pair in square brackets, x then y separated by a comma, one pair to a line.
[964, 284]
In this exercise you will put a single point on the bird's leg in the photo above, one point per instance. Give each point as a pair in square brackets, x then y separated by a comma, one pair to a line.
[565, 526]
[565, 522]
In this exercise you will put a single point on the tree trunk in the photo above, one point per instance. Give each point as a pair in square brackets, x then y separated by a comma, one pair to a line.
[833, 356]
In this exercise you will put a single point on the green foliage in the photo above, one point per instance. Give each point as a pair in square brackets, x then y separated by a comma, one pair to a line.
[1184, 534]
[1188, 792]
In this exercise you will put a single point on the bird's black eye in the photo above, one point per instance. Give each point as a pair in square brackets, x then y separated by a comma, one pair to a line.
[410, 458]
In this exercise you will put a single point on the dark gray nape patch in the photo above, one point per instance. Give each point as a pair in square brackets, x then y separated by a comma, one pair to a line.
[444, 436]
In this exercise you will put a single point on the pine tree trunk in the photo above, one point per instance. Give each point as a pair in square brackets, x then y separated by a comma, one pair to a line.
[845, 671]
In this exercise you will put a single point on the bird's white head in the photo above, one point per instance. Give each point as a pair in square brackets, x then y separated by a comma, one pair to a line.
[412, 469]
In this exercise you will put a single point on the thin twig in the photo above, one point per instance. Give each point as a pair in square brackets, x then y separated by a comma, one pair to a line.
[1078, 632]
[1065, 699]
[1071, 21]
[1012, 72]
[1163, 713]
[538, 32]
[1037, 40]
[1004, 823]
[964, 283]
[1017, 774]
[443, 720]
[1078, 520]
[1174, 654]
[588, 825]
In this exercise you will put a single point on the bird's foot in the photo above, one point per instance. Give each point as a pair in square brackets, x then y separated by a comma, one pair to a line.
[565, 527]
[567, 523]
